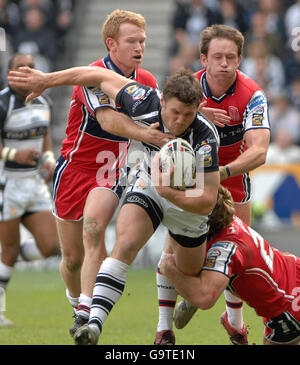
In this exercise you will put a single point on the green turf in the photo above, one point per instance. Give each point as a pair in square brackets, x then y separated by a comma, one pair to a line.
[36, 302]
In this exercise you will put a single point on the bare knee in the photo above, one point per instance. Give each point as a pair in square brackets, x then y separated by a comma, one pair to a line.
[71, 263]
[49, 248]
[92, 231]
[125, 250]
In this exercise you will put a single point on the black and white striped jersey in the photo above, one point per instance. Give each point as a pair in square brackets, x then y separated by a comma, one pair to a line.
[142, 104]
[23, 125]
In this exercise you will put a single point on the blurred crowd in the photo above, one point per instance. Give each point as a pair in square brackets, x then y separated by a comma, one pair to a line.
[271, 56]
[38, 27]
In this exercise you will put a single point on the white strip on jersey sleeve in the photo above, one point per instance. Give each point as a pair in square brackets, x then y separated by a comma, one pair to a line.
[256, 112]
[96, 98]
[219, 257]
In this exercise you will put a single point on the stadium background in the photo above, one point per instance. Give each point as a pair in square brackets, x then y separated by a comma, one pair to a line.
[276, 189]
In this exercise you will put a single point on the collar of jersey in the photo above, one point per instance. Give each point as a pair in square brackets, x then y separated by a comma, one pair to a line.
[109, 64]
[208, 93]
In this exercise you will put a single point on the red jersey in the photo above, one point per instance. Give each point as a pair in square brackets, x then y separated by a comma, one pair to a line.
[87, 145]
[260, 275]
[246, 104]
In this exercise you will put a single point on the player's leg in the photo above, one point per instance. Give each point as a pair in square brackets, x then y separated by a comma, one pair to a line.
[167, 296]
[10, 246]
[134, 227]
[243, 211]
[42, 226]
[189, 258]
[70, 237]
[232, 319]
[98, 212]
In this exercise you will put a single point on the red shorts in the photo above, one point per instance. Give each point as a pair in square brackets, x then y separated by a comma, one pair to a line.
[240, 187]
[71, 186]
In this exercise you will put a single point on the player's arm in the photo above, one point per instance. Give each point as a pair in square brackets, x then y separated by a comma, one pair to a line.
[257, 137]
[37, 81]
[120, 124]
[48, 157]
[202, 291]
[258, 142]
[200, 199]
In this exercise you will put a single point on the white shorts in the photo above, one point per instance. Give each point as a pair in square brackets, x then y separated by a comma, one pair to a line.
[21, 195]
[178, 221]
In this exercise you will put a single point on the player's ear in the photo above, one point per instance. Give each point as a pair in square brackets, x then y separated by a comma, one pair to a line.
[110, 43]
[162, 100]
[203, 60]
[239, 60]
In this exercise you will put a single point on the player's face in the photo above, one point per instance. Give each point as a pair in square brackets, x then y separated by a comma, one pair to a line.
[22, 61]
[128, 50]
[222, 60]
[177, 116]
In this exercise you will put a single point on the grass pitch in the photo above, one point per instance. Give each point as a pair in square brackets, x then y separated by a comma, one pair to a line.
[36, 302]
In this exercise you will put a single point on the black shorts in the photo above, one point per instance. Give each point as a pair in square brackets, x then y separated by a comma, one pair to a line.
[156, 216]
[282, 329]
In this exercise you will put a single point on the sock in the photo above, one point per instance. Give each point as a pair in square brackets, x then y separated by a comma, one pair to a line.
[5, 274]
[167, 296]
[234, 309]
[84, 306]
[29, 251]
[109, 287]
[73, 301]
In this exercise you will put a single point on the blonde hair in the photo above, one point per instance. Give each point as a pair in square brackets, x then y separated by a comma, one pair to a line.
[221, 31]
[223, 212]
[111, 26]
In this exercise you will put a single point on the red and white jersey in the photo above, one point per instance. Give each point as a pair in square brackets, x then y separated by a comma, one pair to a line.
[260, 275]
[246, 104]
[86, 144]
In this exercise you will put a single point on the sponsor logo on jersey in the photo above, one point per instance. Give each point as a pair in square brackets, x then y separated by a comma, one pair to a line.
[137, 200]
[205, 152]
[138, 94]
[257, 119]
[258, 100]
[234, 113]
[135, 91]
[103, 100]
[13, 211]
[210, 262]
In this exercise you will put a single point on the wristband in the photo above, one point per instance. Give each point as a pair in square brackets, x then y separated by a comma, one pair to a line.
[11, 154]
[48, 157]
[8, 154]
[227, 170]
[4, 153]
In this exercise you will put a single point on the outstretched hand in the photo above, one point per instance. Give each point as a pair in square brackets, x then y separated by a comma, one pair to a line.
[30, 79]
[219, 117]
[157, 137]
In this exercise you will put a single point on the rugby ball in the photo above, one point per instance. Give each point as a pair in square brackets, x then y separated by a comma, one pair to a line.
[179, 153]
